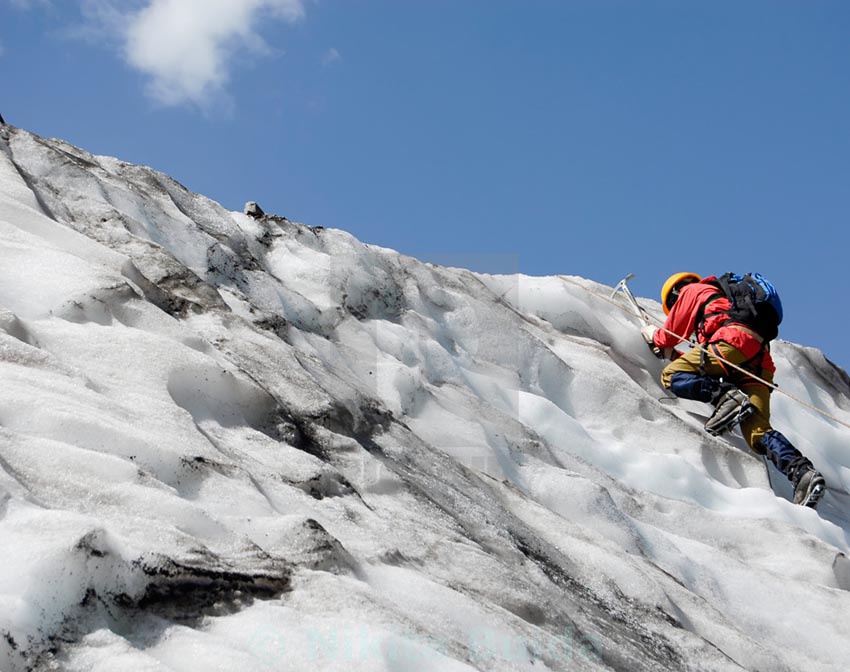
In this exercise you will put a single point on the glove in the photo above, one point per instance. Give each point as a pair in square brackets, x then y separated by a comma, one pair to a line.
[648, 333]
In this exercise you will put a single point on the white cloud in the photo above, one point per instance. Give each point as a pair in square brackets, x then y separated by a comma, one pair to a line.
[186, 47]
[331, 56]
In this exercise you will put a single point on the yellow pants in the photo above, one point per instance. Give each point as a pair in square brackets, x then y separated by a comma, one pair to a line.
[758, 423]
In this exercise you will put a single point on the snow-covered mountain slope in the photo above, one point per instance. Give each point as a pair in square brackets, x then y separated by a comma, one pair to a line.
[239, 444]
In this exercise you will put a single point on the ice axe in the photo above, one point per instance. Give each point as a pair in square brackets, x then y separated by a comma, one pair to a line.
[623, 287]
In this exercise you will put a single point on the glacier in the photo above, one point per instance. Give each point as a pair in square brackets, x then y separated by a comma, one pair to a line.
[236, 443]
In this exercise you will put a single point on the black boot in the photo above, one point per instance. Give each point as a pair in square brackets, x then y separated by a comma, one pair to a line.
[809, 484]
[731, 406]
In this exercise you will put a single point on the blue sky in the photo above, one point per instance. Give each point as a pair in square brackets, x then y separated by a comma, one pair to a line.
[587, 137]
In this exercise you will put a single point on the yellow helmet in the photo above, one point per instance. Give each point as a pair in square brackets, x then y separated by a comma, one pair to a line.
[670, 290]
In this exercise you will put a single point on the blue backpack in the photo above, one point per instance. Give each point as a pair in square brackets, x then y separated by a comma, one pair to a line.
[755, 302]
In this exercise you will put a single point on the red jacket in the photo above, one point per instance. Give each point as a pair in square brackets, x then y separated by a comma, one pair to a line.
[683, 316]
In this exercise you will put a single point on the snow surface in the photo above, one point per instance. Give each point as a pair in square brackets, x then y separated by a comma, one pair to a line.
[238, 444]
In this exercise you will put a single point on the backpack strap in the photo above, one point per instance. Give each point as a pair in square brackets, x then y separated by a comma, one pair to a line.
[700, 316]
[722, 284]
[725, 290]
[739, 297]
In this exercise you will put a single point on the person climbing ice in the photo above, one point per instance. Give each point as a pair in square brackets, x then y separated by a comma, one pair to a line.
[734, 318]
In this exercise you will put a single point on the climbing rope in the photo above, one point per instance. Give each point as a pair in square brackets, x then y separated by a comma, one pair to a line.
[703, 348]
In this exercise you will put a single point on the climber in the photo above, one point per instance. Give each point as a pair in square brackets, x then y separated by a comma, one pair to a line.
[734, 319]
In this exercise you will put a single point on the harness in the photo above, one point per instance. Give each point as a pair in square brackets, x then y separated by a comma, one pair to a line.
[754, 363]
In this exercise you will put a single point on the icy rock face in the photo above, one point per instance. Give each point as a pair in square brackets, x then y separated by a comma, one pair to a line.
[242, 443]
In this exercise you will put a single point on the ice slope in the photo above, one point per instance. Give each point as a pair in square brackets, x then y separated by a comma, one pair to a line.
[232, 444]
